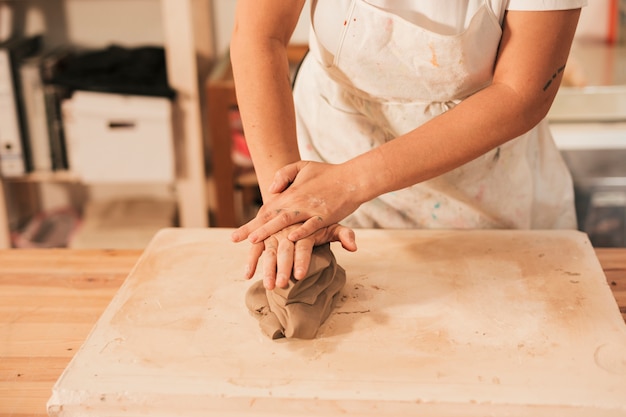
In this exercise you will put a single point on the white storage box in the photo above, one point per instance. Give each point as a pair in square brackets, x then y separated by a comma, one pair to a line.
[119, 138]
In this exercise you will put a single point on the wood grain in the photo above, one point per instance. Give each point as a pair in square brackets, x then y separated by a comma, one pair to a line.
[51, 298]
[49, 301]
[613, 261]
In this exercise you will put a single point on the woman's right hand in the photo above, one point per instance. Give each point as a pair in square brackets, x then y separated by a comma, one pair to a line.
[313, 195]
[283, 258]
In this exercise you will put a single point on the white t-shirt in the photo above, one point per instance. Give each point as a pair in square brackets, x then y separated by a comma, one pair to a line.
[447, 17]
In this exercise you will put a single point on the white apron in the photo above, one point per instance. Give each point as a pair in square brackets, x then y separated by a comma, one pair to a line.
[380, 84]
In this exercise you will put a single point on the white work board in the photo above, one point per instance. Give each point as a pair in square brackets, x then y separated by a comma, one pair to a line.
[438, 323]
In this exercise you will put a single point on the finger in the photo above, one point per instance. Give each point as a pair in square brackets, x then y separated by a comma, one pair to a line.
[346, 236]
[309, 227]
[302, 258]
[254, 254]
[284, 263]
[259, 220]
[281, 220]
[269, 263]
[240, 234]
[284, 177]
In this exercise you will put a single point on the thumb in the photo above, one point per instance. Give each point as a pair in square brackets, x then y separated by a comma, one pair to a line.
[284, 177]
[345, 235]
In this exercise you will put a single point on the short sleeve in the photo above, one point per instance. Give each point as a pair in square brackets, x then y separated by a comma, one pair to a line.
[545, 4]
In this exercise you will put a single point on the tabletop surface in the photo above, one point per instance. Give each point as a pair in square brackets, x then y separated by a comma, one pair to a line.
[50, 300]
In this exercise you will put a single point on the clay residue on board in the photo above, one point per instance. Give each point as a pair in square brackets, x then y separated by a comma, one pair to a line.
[157, 300]
[612, 358]
[511, 288]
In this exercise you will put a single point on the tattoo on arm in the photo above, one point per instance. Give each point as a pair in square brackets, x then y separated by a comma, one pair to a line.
[556, 73]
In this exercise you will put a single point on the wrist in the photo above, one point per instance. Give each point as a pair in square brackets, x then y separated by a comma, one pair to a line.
[369, 175]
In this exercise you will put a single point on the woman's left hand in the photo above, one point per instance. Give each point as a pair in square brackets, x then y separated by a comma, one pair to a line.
[314, 194]
[282, 257]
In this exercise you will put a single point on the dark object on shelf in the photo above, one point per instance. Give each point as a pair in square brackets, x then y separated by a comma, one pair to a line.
[14, 150]
[46, 138]
[600, 189]
[136, 71]
[51, 229]
[605, 222]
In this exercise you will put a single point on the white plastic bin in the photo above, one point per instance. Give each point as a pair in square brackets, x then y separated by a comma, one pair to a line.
[119, 138]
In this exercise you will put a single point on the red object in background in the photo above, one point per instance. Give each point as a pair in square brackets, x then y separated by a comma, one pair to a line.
[239, 150]
[612, 32]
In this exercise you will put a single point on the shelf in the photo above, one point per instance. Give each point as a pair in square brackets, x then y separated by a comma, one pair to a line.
[52, 176]
[188, 43]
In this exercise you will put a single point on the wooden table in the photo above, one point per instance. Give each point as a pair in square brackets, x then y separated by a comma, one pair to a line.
[50, 299]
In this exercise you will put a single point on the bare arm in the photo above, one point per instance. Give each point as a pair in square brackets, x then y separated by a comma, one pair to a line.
[528, 70]
[261, 71]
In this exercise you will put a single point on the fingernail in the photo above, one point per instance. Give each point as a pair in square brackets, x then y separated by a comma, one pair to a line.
[299, 273]
[247, 272]
[281, 281]
[234, 237]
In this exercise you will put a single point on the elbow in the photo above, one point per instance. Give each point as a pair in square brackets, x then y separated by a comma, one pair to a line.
[537, 110]
[530, 108]
[546, 105]
[244, 44]
[534, 113]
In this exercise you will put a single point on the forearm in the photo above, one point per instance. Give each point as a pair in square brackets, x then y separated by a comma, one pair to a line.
[474, 127]
[263, 86]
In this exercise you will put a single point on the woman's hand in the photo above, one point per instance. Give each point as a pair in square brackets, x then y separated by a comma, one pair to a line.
[314, 194]
[282, 257]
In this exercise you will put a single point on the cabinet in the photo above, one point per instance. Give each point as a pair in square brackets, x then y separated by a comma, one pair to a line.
[220, 91]
[188, 43]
